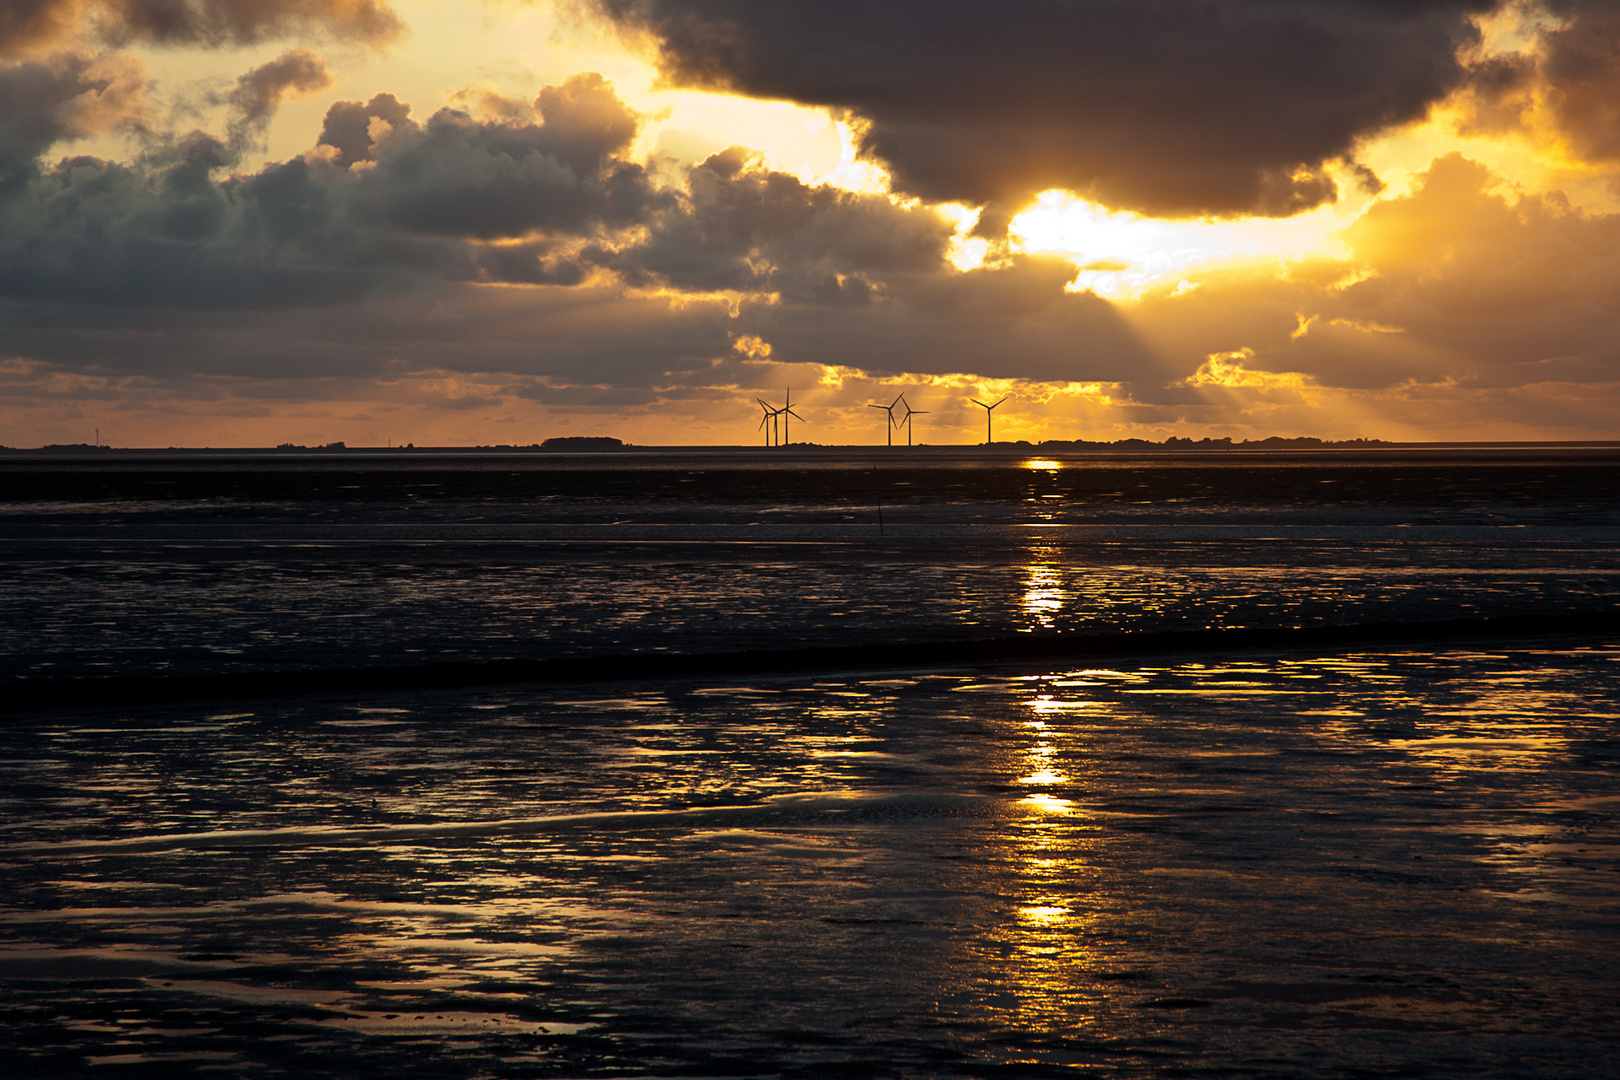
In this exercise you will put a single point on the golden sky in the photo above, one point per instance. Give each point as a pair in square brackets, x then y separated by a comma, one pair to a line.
[467, 222]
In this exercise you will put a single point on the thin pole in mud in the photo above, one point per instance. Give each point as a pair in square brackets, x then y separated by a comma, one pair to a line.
[880, 519]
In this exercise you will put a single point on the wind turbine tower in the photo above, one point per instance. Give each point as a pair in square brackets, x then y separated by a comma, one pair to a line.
[768, 418]
[889, 408]
[910, 412]
[988, 410]
[787, 411]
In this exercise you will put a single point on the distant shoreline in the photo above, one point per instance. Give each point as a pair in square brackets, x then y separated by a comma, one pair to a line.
[999, 449]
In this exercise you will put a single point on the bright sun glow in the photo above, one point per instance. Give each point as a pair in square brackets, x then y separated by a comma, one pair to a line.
[1121, 254]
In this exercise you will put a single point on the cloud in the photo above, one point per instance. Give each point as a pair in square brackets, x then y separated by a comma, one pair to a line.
[1011, 321]
[362, 255]
[1581, 64]
[348, 126]
[1155, 105]
[1554, 81]
[257, 95]
[175, 229]
[32, 24]
[457, 176]
[62, 97]
[495, 260]
[741, 227]
[1458, 284]
[1230, 371]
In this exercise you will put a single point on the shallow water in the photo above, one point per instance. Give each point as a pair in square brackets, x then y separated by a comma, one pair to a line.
[1376, 863]
[1285, 865]
[192, 564]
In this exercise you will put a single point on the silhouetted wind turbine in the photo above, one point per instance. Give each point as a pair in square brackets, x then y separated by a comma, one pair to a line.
[910, 412]
[988, 409]
[787, 411]
[768, 418]
[889, 408]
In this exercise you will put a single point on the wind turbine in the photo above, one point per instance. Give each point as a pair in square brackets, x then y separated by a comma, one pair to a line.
[910, 412]
[768, 418]
[889, 408]
[988, 409]
[787, 410]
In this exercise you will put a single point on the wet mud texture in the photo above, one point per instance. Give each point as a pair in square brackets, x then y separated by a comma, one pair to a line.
[195, 565]
[1307, 864]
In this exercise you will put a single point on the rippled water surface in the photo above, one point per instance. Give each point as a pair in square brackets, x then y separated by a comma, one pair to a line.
[1282, 864]
[193, 564]
[1305, 865]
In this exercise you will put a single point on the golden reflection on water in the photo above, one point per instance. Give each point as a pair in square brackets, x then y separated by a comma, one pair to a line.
[1089, 871]
[1044, 590]
[1048, 804]
[1048, 948]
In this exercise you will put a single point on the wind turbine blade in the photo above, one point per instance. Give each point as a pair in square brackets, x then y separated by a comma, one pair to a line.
[981, 404]
[795, 416]
[1004, 397]
[896, 401]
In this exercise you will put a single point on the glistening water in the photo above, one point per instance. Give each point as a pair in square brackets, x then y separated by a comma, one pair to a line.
[196, 563]
[1294, 863]
[1289, 865]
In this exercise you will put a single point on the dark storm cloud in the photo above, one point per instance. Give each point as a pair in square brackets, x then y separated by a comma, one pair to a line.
[1012, 321]
[457, 176]
[367, 251]
[165, 232]
[62, 97]
[853, 280]
[28, 24]
[1168, 106]
[748, 229]
[175, 228]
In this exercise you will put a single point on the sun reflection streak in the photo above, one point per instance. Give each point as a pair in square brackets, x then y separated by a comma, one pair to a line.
[1044, 589]
[1043, 776]
[1048, 804]
[1044, 914]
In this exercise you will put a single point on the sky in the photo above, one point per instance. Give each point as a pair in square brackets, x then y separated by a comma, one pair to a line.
[483, 222]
